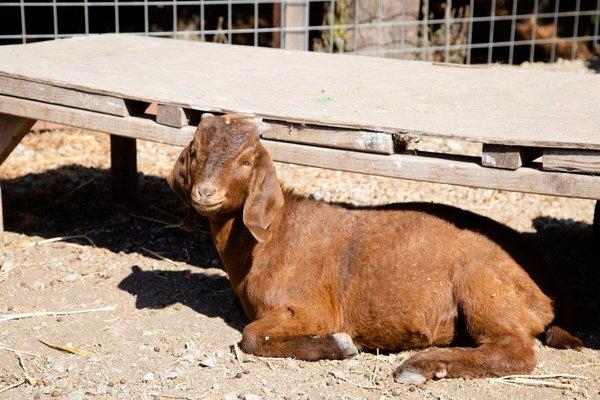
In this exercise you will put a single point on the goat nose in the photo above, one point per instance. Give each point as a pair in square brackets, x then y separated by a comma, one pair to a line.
[206, 190]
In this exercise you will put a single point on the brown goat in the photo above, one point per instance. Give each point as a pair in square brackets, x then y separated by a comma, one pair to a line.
[320, 280]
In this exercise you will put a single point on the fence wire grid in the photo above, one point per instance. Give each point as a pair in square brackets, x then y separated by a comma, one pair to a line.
[462, 31]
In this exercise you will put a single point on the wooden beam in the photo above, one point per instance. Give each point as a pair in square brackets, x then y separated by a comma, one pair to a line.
[141, 127]
[12, 130]
[572, 160]
[455, 171]
[123, 168]
[507, 157]
[371, 142]
[58, 95]
[171, 115]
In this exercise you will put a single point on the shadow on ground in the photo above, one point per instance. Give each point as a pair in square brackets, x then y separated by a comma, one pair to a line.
[75, 200]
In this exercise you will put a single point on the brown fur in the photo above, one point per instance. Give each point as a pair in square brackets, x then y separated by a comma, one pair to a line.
[396, 277]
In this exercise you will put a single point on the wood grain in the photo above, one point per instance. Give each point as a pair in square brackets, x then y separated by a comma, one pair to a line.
[371, 142]
[171, 115]
[463, 171]
[507, 157]
[12, 130]
[496, 105]
[572, 160]
[59, 95]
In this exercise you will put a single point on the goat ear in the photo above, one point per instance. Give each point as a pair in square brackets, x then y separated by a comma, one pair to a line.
[179, 180]
[264, 199]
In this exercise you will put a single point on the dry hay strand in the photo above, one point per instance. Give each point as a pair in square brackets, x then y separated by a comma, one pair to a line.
[19, 246]
[30, 379]
[152, 253]
[68, 349]
[9, 317]
[14, 385]
[539, 380]
[19, 351]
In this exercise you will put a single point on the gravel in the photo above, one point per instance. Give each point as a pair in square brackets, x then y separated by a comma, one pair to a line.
[185, 307]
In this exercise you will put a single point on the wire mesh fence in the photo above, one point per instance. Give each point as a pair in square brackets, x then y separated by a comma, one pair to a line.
[463, 31]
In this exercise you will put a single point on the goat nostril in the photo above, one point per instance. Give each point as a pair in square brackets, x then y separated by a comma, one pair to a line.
[206, 191]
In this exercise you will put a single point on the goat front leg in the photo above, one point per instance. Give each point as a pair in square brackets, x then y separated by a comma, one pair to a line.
[287, 333]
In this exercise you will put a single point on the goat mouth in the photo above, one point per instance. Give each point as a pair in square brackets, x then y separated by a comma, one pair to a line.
[207, 207]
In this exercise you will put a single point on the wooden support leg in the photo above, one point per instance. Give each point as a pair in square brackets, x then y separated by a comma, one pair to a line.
[123, 161]
[597, 222]
[12, 130]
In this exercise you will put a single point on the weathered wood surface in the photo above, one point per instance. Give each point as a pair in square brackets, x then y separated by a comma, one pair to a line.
[12, 130]
[507, 157]
[496, 105]
[171, 116]
[372, 142]
[572, 160]
[58, 95]
[465, 172]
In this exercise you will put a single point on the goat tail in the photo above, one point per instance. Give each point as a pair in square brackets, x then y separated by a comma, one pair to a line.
[559, 338]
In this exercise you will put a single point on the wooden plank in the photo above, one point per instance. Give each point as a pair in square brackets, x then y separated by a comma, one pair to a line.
[456, 171]
[135, 127]
[372, 142]
[171, 115]
[123, 168]
[464, 171]
[496, 105]
[572, 160]
[507, 157]
[12, 130]
[58, 95]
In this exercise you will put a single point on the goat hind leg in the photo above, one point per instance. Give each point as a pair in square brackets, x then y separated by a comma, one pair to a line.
[509, 355]
[500, 320]
[281, 334]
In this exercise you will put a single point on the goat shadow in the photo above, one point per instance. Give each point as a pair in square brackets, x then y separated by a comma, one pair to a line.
[54, 203]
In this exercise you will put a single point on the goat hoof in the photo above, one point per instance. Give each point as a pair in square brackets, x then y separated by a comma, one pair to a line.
[441, 373]
[346, 344]
[409, 377]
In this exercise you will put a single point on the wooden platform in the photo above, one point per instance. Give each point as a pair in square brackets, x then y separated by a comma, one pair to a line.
[539, 131]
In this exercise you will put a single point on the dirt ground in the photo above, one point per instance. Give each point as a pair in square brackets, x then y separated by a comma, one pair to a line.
[173, 318]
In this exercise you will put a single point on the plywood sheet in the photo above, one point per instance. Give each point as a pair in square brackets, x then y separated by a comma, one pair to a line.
[498, 105]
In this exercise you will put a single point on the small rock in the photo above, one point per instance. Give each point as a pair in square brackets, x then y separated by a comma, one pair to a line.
[172, 375]
[46, 389]
[215, 386]
[397, 392]
[337, 374]
[238, 375]
[157, 349]
[263, 382]
[230, 396]
[149, 377]
[250, 396]
[209, 362]
[56, 393]
[123, 381]
[76, 395]
[70, 278]
[59, 367]
[7, 266]
[102, 389]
